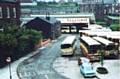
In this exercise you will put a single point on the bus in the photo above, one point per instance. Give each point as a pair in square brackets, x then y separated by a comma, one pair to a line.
[90, 48]
[109, 47]
[73, 29]
[65, 29]
[68, 46]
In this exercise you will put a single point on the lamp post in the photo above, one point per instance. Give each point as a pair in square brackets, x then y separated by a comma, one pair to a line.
[8, 60]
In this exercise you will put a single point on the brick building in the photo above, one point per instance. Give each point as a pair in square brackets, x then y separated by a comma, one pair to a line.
[50, 27]
[9, 12]
[100, 8]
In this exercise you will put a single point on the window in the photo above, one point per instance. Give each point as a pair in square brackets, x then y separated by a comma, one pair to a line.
[116, 11]
[8, 12]
[14, 12]
[105, 12]
[1, 12]
[110, 11]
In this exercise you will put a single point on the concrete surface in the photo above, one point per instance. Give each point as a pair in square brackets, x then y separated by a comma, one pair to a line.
[70, 68]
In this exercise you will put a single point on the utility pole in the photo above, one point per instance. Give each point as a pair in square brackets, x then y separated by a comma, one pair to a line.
[8, 60]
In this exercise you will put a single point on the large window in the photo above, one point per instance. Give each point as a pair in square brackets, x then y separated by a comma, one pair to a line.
[14, 12]
[8, 12]
[1, 12]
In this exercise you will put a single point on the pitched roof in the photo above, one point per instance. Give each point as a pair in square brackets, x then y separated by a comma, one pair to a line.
[8, 0]
[26, 1]
[38, 20]
[110, 1]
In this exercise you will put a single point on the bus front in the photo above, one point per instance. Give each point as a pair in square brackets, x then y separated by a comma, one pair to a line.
[66, 49]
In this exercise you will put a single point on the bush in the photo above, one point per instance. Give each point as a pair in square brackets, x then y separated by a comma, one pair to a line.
[115, 27]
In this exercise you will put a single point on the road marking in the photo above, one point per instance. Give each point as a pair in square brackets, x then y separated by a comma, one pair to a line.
[46, 76]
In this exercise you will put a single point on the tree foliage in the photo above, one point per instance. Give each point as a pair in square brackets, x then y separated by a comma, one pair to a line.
[115, 27]
[17, 41]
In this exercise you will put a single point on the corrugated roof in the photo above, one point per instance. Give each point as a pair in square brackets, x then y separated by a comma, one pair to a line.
[103, 41]
[114, 17]
[90, 41]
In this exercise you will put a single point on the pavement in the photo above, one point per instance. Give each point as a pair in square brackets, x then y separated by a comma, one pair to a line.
[39, 66]
[4, 72]
[71, 70]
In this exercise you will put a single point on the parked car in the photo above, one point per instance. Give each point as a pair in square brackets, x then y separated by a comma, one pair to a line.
[87, 70]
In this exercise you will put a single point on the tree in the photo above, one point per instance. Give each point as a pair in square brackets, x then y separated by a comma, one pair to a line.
[7, 43]
[102, 57]
[18, 41]
[115, 27]
[102, 70]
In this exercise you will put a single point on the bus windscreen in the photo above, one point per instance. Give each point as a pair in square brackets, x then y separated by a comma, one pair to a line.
[65, 46]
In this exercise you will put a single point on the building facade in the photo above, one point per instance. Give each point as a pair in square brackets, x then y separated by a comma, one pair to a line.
[9, 12]
[50, 28]
[100, 8]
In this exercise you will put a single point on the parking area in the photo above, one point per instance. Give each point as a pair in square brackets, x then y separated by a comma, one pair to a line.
[71, 70]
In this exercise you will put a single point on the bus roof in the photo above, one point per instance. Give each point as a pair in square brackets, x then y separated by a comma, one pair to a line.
[89, 40]
[103, 40]
[69, 40]
[108, 34]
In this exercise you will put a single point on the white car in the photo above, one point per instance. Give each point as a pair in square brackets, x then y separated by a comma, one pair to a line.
[87, 70]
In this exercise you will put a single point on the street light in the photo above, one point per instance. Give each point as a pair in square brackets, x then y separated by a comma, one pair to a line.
[8, 60]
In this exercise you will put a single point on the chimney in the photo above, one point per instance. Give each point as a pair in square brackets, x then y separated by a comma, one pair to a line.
[47, 16]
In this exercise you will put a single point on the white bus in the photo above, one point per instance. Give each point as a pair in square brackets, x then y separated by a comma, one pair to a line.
[68, 46]
[73, 29]
[110, 50]
[65, 29]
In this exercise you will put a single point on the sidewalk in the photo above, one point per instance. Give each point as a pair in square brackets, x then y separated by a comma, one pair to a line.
[4, 72]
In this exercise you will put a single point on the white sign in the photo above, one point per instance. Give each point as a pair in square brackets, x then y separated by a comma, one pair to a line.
[8, 59]
[74, 20]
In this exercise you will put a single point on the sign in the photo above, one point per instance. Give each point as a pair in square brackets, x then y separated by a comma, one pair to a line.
[8, 59]
[73, 20]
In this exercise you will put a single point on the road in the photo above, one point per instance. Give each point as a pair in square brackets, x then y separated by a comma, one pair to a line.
[40, 66]
[48, 64]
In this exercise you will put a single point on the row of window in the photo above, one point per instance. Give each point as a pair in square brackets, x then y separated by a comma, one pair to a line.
[92, 1]
[8, 12]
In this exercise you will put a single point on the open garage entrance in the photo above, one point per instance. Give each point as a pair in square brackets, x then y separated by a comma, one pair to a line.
[72, 28]
[73, 25]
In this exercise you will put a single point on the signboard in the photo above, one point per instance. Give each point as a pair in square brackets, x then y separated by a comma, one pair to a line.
[8, 59]
[74, 20]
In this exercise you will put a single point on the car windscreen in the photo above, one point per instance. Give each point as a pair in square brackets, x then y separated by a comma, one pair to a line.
[88, 67]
